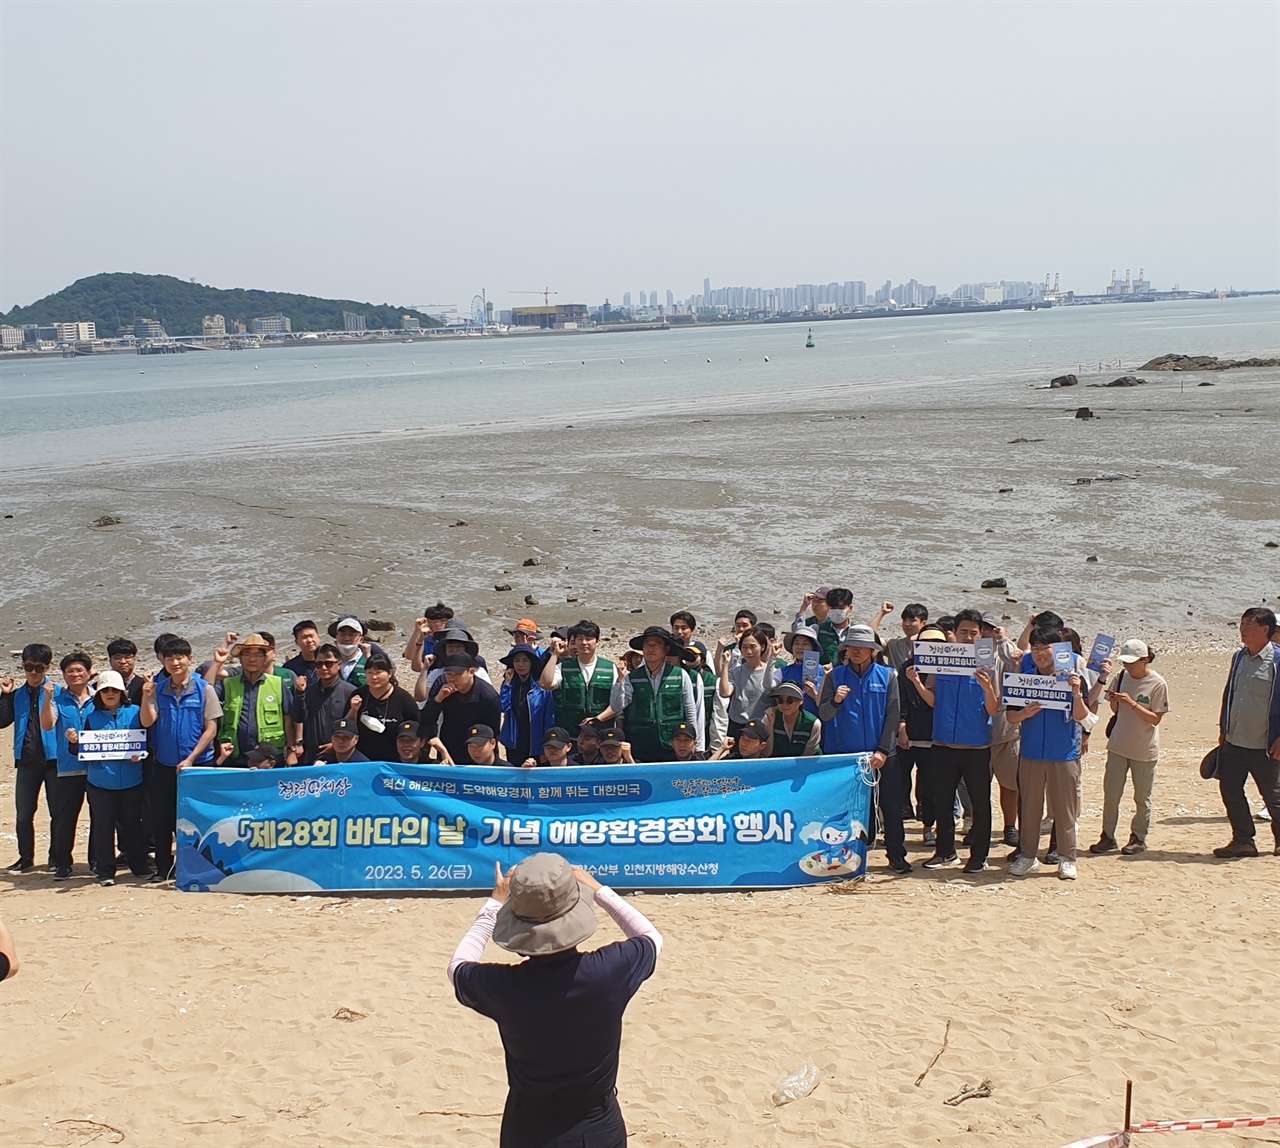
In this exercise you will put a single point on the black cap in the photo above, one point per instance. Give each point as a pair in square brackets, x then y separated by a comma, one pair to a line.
[561, 632]
[591, 726]
[755, 729]
[684, 729]
[612, 736]
[557, 735]
[261, 754]
[479, 733]
[408, 729]
[457, 662]
[345, 726]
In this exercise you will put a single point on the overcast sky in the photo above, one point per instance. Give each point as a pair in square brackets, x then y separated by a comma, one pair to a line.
[415, 153]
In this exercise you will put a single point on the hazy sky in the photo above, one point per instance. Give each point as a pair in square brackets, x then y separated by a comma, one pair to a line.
[414, 153]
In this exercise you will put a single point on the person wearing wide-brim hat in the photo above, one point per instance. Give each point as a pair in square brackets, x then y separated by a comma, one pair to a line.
[528, 710]
[653, 698]
[455, 639]
[802, 640]
[560, 1011]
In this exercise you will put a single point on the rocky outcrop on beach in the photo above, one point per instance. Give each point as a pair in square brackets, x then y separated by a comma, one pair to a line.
[1063, 381]
[1203, 363]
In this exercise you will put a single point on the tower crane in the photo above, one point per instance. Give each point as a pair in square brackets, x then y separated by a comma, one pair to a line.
[546, 294]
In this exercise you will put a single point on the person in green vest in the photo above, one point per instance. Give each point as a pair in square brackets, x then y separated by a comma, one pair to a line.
[655, 698]
[831, 629]
[255, 705]
[581, 680]
[796, 732]
[694, 662]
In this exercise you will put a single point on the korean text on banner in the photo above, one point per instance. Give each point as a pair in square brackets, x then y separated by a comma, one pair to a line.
[775, 822]
[112, 744]
[1023, 689]
[955, 658]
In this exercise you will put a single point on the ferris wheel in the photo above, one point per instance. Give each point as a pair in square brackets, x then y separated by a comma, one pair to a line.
[479, 313]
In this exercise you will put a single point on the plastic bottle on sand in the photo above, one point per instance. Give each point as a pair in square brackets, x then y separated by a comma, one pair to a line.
[797, 1083]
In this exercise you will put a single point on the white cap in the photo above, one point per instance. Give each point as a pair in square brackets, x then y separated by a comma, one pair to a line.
[111, 680]
[1134, 650]
[353, 623]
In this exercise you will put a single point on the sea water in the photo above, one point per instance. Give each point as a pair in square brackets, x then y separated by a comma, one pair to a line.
[57, 413]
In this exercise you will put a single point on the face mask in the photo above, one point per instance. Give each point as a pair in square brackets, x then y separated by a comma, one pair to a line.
[373, 723]
[838, 616]
[348, 651]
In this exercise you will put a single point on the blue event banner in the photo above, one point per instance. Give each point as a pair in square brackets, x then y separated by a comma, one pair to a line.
[774, 822]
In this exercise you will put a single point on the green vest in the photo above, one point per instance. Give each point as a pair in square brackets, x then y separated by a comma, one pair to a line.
[829, 643]
[269, 710]
[651, 718]
[793, 746]
[577, 699]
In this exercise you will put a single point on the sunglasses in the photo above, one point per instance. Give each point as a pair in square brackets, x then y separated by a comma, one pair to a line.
[788, 701]
[34, 667]
[328, 663]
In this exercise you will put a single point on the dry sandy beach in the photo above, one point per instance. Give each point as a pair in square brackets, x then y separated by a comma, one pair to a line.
[153, 1018]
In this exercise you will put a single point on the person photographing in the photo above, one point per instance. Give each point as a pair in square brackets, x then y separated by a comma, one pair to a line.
[559, 1012]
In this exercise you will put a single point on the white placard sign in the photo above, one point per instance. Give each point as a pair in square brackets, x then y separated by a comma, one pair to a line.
[1023, 689]
[955, 658]
[112, 744]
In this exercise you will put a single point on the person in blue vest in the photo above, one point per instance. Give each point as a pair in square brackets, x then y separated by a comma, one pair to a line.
[797, 643]
[115, 785]
[1049, 764]
[35, 752]
[963, 706]
[859, 709]
[528, 710]
[183, 711]
[63, 712]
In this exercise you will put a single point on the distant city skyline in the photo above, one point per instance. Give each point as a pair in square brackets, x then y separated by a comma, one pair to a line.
[418, 152]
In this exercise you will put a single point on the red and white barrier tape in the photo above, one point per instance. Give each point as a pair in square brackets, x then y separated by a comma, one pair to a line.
[1109, 1140]
[1207, 1125]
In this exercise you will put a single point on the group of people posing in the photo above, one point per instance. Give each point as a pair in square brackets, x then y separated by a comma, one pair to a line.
[827, 685]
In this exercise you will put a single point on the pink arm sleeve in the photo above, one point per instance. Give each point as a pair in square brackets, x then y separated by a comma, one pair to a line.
[627, 917]
[471, 947]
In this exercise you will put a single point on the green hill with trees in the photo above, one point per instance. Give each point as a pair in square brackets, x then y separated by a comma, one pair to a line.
[115, 300]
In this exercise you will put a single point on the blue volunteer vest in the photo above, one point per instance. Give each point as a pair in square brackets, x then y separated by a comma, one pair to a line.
[860, 718]
[119, 774]
[179, 723]
[960, 715]
[21, 711]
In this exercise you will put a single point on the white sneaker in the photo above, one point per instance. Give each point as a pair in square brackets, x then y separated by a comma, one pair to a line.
[1022, 865]
[1067, 870]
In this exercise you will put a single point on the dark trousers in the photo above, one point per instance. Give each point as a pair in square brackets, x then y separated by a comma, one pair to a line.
[27, 784]
[121, 831]
[112, 811]
[568, 1122]
[68, 794]
[1235, 767]
[893, 796]
[162, 789]
[919, 757]
[953, 764]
